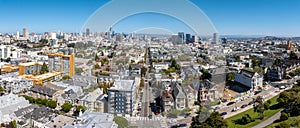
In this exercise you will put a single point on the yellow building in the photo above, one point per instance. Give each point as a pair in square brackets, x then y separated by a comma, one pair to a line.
[7, 68]
[44, 78]
[30, 68]
[62, 63]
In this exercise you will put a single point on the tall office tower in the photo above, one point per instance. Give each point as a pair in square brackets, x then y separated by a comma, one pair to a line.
[62, 63]
[195, 39]
[87, 32]
[188, 38]
[53, 35]
[18, 34]
[25, 33]
[181, 37]
[109, 33]
[224, 40]
[216, 38]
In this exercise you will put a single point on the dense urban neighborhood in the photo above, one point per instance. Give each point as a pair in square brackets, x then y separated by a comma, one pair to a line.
[116, 80]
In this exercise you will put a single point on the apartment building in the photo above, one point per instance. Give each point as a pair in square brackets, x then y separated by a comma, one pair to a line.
[62, 63]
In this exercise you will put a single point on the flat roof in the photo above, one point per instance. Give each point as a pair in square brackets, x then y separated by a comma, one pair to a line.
[43, 76]
[30, 64]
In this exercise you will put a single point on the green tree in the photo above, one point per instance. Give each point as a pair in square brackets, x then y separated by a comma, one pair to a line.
[230, 77]
[284, 116]
[283, 125]
[293, 56]
[121, 121]
[143, 71]
[238, 59]
[96, 58]
[78, 70]
[1, 89]
[65, 77]
[245, 119]
[80, 108]
[44, 68]
[52, 104]
[259, 106]
[66, 107]
[96, 66]
[277, 62]
[215, 120]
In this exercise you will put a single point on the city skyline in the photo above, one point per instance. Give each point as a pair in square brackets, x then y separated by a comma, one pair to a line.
[231, 17]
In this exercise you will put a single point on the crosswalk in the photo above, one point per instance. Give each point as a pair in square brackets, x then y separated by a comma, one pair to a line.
[147, 118]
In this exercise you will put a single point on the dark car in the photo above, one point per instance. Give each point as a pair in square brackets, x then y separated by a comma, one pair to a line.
[224, 101]
[244, 105]
[251, 102]
[182, 125]
[230, 103]
[224, 113]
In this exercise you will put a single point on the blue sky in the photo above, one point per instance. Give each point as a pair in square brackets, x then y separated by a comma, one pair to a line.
[243, 17]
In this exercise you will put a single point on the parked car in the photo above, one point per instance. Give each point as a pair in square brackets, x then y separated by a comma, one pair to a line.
[230, 103]
[244, 105]
[251, 102]
[182, 125]
[224, 113]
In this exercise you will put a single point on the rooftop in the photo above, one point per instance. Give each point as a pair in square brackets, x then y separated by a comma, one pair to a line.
[123, 85]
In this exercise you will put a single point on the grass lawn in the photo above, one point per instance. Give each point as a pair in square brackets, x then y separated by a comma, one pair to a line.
[293, 121]
[254, 115]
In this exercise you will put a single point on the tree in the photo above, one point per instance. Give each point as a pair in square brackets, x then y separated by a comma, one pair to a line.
[66, 107]
[96, 66]
[259, 106]
[206, 74]
[254, 61]
[245, 119]
[44, 69]
[52, 104]
[215, 120]
[96, 58]
[80, 108]
[1, 89]
[283, 125]
[277, 62]
[143, 71]
[121, 121]
[284, 116]
[8, 59]
[78, 70]
[238, 59]
[230, 77]
[65, 77]
[293, 56]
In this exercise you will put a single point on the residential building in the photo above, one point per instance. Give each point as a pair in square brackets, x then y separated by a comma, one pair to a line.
[94, 120]
[94, 101]
[275, 73]
[62, 63]
[179, 97]
[30, 68]
[9, 104]
[122, 97]
[248, 78]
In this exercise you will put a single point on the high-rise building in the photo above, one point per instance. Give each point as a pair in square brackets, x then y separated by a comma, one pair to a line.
[188, 38]
[87, 32]
[122, 97]
[62, 63]
[216, 38]
[25, 33]
[181, 37]
[18, 35]
[195, 39]
[53, 35]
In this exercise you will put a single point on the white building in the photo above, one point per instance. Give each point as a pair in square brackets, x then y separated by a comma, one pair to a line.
[248, 78]
[9, 104]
